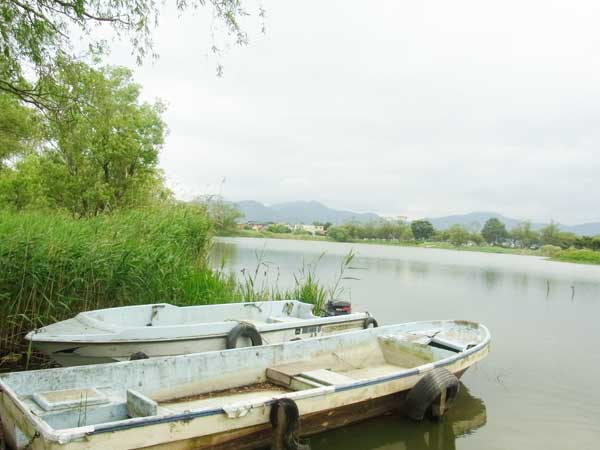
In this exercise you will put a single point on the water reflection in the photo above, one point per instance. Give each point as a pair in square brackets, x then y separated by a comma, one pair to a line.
[394, 432]
[544, 321]
[238, 259]
[222, 254]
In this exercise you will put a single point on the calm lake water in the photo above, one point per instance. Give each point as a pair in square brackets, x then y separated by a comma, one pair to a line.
[540, 386]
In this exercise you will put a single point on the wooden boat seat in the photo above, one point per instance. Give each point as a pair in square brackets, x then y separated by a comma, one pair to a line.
[326, 377]
[306, 375]
[285, 373]
[374, 371]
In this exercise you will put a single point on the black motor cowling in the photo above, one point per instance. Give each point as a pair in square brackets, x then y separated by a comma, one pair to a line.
[338, 307]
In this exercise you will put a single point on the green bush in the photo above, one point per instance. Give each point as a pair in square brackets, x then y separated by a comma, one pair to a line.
[338, 234]
[549, 250]
[279, 228]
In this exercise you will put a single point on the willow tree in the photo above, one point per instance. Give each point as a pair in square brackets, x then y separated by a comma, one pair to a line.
[34, 33]
[20, 130]
[103, 142]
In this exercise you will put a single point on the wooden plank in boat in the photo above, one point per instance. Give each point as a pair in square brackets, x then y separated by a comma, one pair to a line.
[326, 377]
[284, 373]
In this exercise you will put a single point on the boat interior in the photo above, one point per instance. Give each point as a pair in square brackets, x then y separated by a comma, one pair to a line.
[164, 314]
[122, 391]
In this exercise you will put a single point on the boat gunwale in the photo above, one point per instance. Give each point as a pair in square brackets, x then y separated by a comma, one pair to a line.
[33, 336]
[67, 435]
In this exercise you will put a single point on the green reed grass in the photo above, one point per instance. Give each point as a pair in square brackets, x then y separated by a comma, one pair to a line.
[53, 266]
[261, 284]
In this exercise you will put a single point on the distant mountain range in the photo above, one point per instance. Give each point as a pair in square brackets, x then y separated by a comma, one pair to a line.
[308, 212]
[299, 212]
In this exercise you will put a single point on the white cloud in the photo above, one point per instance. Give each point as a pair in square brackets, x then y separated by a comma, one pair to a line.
[415, 108]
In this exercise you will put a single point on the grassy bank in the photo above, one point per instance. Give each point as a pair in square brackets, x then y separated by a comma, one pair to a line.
[578, 256]
[270, 235]
[554, 253]
[428, 244]
[53, 266]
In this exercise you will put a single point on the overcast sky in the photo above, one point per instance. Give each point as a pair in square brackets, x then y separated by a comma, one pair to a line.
[420, 108]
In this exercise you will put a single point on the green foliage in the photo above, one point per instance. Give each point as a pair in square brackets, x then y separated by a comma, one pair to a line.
[107, 141]
[458, 235]
[53, 266]
[279, 228]
[101, 146]
[301, 232]
[549, 250]
[422, 229]
[592, 243]
[224, 215]
[523, 235]
[578, 256]
[338, 234]
[22, 187]
[494, 232]
[381, 229]
[19, 129]
[33, 33]
[552, 235]
[307, 286]
[549, 234]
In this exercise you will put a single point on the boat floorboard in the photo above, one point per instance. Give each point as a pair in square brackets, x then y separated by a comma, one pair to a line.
[220, 398]
[373, 371]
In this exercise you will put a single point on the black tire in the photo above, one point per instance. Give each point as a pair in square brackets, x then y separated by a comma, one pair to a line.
[138, 355]
[433, 394]
[370, 322]
[284, 417]
[243, 330]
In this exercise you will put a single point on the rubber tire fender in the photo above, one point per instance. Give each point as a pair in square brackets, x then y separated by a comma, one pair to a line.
[138, 355]
[370, 321]
[427, 390]
[243, 330]
[285, 434]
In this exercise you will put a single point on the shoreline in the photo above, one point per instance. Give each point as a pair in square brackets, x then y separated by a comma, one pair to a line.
[586, 257]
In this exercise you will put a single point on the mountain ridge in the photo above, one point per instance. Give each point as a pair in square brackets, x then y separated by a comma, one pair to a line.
[305, 212]
[311, 211]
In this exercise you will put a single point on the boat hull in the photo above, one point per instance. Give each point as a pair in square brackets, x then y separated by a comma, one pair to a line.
[260, 436]
[83, 353]
[371, 373]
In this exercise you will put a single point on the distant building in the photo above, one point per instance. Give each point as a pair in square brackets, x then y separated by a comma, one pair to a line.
[312, 229]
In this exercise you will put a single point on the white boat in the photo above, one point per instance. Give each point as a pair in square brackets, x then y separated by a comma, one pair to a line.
[242, 398]
[117, 334]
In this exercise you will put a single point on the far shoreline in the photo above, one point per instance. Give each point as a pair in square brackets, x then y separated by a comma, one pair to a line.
[586, 257]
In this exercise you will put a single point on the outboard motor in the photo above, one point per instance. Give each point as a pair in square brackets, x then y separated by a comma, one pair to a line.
[338, 307]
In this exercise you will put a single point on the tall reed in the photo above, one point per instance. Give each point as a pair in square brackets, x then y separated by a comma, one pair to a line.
[261, 284]
[52, 266]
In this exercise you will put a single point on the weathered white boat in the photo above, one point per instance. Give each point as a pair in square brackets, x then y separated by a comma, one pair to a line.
[241, 398]
[116, 334]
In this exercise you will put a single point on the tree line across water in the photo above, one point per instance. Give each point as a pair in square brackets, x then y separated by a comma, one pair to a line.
[493, 233]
